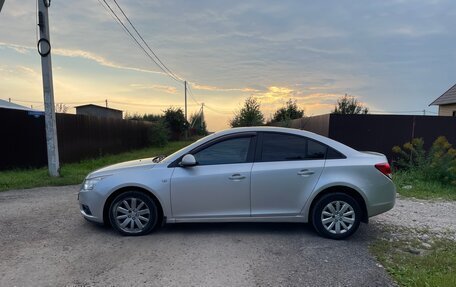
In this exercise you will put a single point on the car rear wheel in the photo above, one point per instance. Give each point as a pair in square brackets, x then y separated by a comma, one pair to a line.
[133, 213]
[336, 215]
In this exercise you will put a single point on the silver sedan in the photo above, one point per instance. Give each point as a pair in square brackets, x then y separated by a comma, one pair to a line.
[265, 174]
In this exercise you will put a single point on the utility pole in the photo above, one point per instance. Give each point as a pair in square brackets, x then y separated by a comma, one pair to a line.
[44, 49]
[202, 115]
[106, 101]
[185, 89]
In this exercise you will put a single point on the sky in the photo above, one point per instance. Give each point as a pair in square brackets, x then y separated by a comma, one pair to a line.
[393, 56]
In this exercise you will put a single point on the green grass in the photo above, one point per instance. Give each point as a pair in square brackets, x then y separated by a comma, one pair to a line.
[409, 184]
[434, 266]
[74, 173]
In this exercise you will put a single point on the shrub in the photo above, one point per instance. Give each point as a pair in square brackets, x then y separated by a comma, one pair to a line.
[412, 154]
[175, 120]
[438, 164]
[157, 134]
[442, 161]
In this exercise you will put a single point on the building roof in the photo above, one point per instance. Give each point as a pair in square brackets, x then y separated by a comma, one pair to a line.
[12, 106]
[449, 97]
[97, 106]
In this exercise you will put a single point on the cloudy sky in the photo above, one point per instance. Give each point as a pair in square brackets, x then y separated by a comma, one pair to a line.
[394, 56]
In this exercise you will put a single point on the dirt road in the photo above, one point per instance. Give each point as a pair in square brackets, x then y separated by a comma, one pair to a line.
[45, 242]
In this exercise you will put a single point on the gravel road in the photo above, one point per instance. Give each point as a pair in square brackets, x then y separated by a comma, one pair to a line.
[45, 242]
[437, 216]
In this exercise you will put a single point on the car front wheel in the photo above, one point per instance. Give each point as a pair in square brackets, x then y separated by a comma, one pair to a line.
[336, 215]
[133, 213]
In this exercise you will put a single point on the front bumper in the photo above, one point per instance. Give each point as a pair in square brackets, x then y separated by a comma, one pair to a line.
[91, 205]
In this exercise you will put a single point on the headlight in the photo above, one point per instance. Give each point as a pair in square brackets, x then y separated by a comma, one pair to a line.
[89, 184]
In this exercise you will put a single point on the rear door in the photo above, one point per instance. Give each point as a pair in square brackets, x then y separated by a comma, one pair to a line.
[286, 170]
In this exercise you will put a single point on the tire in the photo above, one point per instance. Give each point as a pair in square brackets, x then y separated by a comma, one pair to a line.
[133, 213]
[336, 215]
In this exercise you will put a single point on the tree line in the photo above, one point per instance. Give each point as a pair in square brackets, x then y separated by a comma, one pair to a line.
[172, 125]
[251, 115]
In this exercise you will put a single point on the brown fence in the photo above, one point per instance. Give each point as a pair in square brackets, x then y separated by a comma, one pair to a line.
[379, 132]
[23, 139]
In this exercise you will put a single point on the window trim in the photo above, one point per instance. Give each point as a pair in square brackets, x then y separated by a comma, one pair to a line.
[250, 153]
[259, 149]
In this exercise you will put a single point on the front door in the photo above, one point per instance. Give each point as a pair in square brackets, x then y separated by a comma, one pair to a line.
[219, 185]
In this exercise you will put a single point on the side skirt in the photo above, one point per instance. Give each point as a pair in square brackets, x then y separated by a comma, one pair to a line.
[296, 218]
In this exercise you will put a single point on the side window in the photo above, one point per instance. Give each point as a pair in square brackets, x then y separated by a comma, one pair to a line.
[225, 152]
[334, 154]
[283, 147]
[315, 150]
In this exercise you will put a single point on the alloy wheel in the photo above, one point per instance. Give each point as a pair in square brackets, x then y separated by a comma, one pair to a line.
[132, 215]
[338, 217]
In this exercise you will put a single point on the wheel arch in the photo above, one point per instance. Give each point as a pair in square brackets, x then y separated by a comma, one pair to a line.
[357, 195]
[123, 189]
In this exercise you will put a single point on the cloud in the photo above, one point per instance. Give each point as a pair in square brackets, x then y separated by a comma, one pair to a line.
[163, 88]
[218, 89]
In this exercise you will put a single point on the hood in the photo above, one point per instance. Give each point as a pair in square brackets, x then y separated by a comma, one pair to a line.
[144, 163]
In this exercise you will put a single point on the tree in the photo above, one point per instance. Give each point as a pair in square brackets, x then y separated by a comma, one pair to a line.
[146, 117]
[61, 108]
[288, 112]
[249, 115]
[175, 120]
[198, 124]
[348, 105]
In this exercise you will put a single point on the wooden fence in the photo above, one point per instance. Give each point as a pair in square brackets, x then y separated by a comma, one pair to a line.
[23, 139]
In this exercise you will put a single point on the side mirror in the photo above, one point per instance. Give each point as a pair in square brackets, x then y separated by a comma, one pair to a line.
[188, 160]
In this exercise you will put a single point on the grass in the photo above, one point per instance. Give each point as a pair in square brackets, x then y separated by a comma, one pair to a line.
[74, 173]
[410, 264]
[409, 184]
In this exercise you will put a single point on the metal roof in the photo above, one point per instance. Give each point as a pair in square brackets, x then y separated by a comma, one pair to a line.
[449, 97]
[97, 106]
[8, 105]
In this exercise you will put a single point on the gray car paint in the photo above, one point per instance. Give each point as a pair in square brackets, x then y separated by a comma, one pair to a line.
[269, 192]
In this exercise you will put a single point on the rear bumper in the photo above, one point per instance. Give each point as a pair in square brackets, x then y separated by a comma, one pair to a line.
[381, 198]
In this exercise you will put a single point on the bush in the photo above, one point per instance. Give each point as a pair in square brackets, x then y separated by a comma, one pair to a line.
[442, 161]
[175, 121]
[438, 164]
[412, 154]
[157, 134]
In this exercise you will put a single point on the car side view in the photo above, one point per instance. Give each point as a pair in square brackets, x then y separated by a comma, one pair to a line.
[252, 174]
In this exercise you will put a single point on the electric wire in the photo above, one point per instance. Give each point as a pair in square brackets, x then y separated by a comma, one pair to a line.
[173, 75]
[192, 96]
[136, 40]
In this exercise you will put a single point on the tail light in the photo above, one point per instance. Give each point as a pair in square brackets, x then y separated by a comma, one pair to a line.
[384, 168]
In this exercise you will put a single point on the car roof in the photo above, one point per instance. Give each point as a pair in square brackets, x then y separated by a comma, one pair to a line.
[346, 150]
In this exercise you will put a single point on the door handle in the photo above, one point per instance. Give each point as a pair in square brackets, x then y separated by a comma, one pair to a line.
[305, 172]
[237, 177]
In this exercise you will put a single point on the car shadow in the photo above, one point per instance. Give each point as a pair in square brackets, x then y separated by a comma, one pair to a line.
[238, 227]
[365, 232]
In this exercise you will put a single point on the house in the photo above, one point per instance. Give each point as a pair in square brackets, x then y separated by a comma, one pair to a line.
[446, 103]
[98, 111]
[13, 106]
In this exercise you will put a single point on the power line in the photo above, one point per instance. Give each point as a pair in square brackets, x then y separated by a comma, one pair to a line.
[192, 96]
[218, 111]
[136, 40]
[147, 45]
